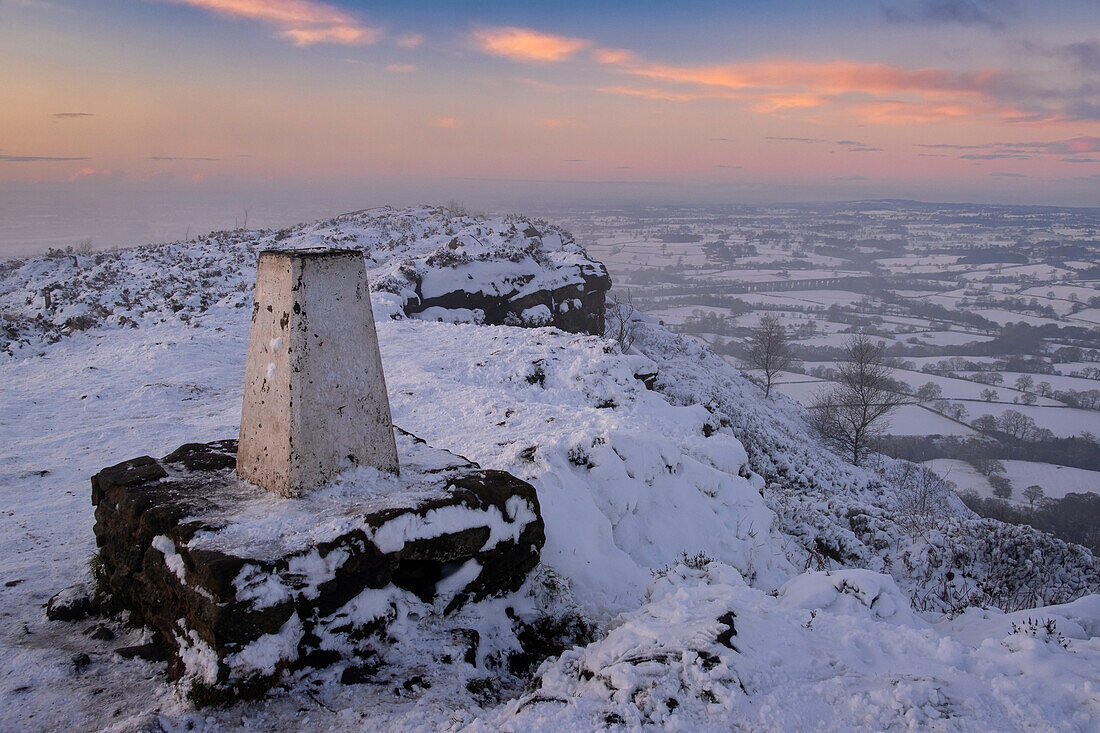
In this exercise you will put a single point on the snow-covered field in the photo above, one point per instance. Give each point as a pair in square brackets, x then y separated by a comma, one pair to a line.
[947, 338]
[1064, 422]
[827, 597]
[1056, 481]
[1056, 381]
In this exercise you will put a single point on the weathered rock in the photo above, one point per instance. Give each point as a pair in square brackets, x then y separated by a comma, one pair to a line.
[80, 662]
[71, 604]
[150, 652]
[245, 584]
[100, 633]
[577, 308]
[648, 376]
[551, 282]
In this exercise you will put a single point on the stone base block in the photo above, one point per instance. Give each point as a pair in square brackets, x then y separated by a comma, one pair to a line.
[245, 584]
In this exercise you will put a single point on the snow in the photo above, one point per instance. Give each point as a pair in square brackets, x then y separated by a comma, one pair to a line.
[850, 592]
[538, 315]
[1056, 481]
[1088, 316]
[1056, 381]
[410, 254]
[172, 559]
[947, 338]
[822, 599]
[261, 655]
[451, 315]
[1064, 422]
[1002, 317]
[396, 533]
[815, 658]
[650, 484]
[199, 660]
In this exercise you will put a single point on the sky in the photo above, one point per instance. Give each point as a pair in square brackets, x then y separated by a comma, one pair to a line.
[166, 117]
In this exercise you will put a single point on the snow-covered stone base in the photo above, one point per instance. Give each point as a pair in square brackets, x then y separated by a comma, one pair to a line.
[244, 584]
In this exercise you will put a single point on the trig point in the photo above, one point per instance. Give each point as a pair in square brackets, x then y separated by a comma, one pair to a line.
[315, 398]
[315, 402]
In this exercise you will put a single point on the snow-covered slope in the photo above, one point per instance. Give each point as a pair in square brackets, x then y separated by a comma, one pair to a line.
[735, 573]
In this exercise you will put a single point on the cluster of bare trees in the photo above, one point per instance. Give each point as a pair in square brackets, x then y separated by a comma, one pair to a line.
[855, 410]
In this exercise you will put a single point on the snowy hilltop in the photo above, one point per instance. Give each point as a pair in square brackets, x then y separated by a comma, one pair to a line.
[426, 262]
[708, 564]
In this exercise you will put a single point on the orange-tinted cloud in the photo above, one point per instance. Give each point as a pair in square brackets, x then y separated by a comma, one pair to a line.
[778, 102]
[447, 123]
[829, 77]
[871, 92]
[305, 22]
[614, 56]
[523, 44]
[876, 93]
[896, 112]
[655, 93]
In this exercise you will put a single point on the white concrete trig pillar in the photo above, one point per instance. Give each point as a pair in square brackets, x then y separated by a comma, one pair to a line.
[315, 399]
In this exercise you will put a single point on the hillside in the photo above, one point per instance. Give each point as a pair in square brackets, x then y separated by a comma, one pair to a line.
[708, 561]
[421, 261]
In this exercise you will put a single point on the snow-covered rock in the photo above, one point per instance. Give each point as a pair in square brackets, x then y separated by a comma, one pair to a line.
[242, 584]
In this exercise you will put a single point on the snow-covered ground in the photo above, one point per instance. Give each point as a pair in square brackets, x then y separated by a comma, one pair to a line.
[826, 596]
[1064, 422]
[1056, 381]
[1056, 481]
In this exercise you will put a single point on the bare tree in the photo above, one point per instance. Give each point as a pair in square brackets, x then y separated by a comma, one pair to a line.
[1016, 424]
[619, 320]
[920, 493]
[988, 466]
[1033, 494]
[957, 411]
[928, 392]
[856, 409]
[1002, 487]
[985, 424]
[769, 350]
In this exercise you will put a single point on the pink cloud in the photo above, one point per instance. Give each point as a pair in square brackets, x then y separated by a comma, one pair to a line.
[305, 22]
[876, 93]
[614, 56]
[871, 92]
[523, 44]
[654, 93]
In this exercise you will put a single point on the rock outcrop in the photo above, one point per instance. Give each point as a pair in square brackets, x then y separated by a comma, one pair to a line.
[244, 585]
